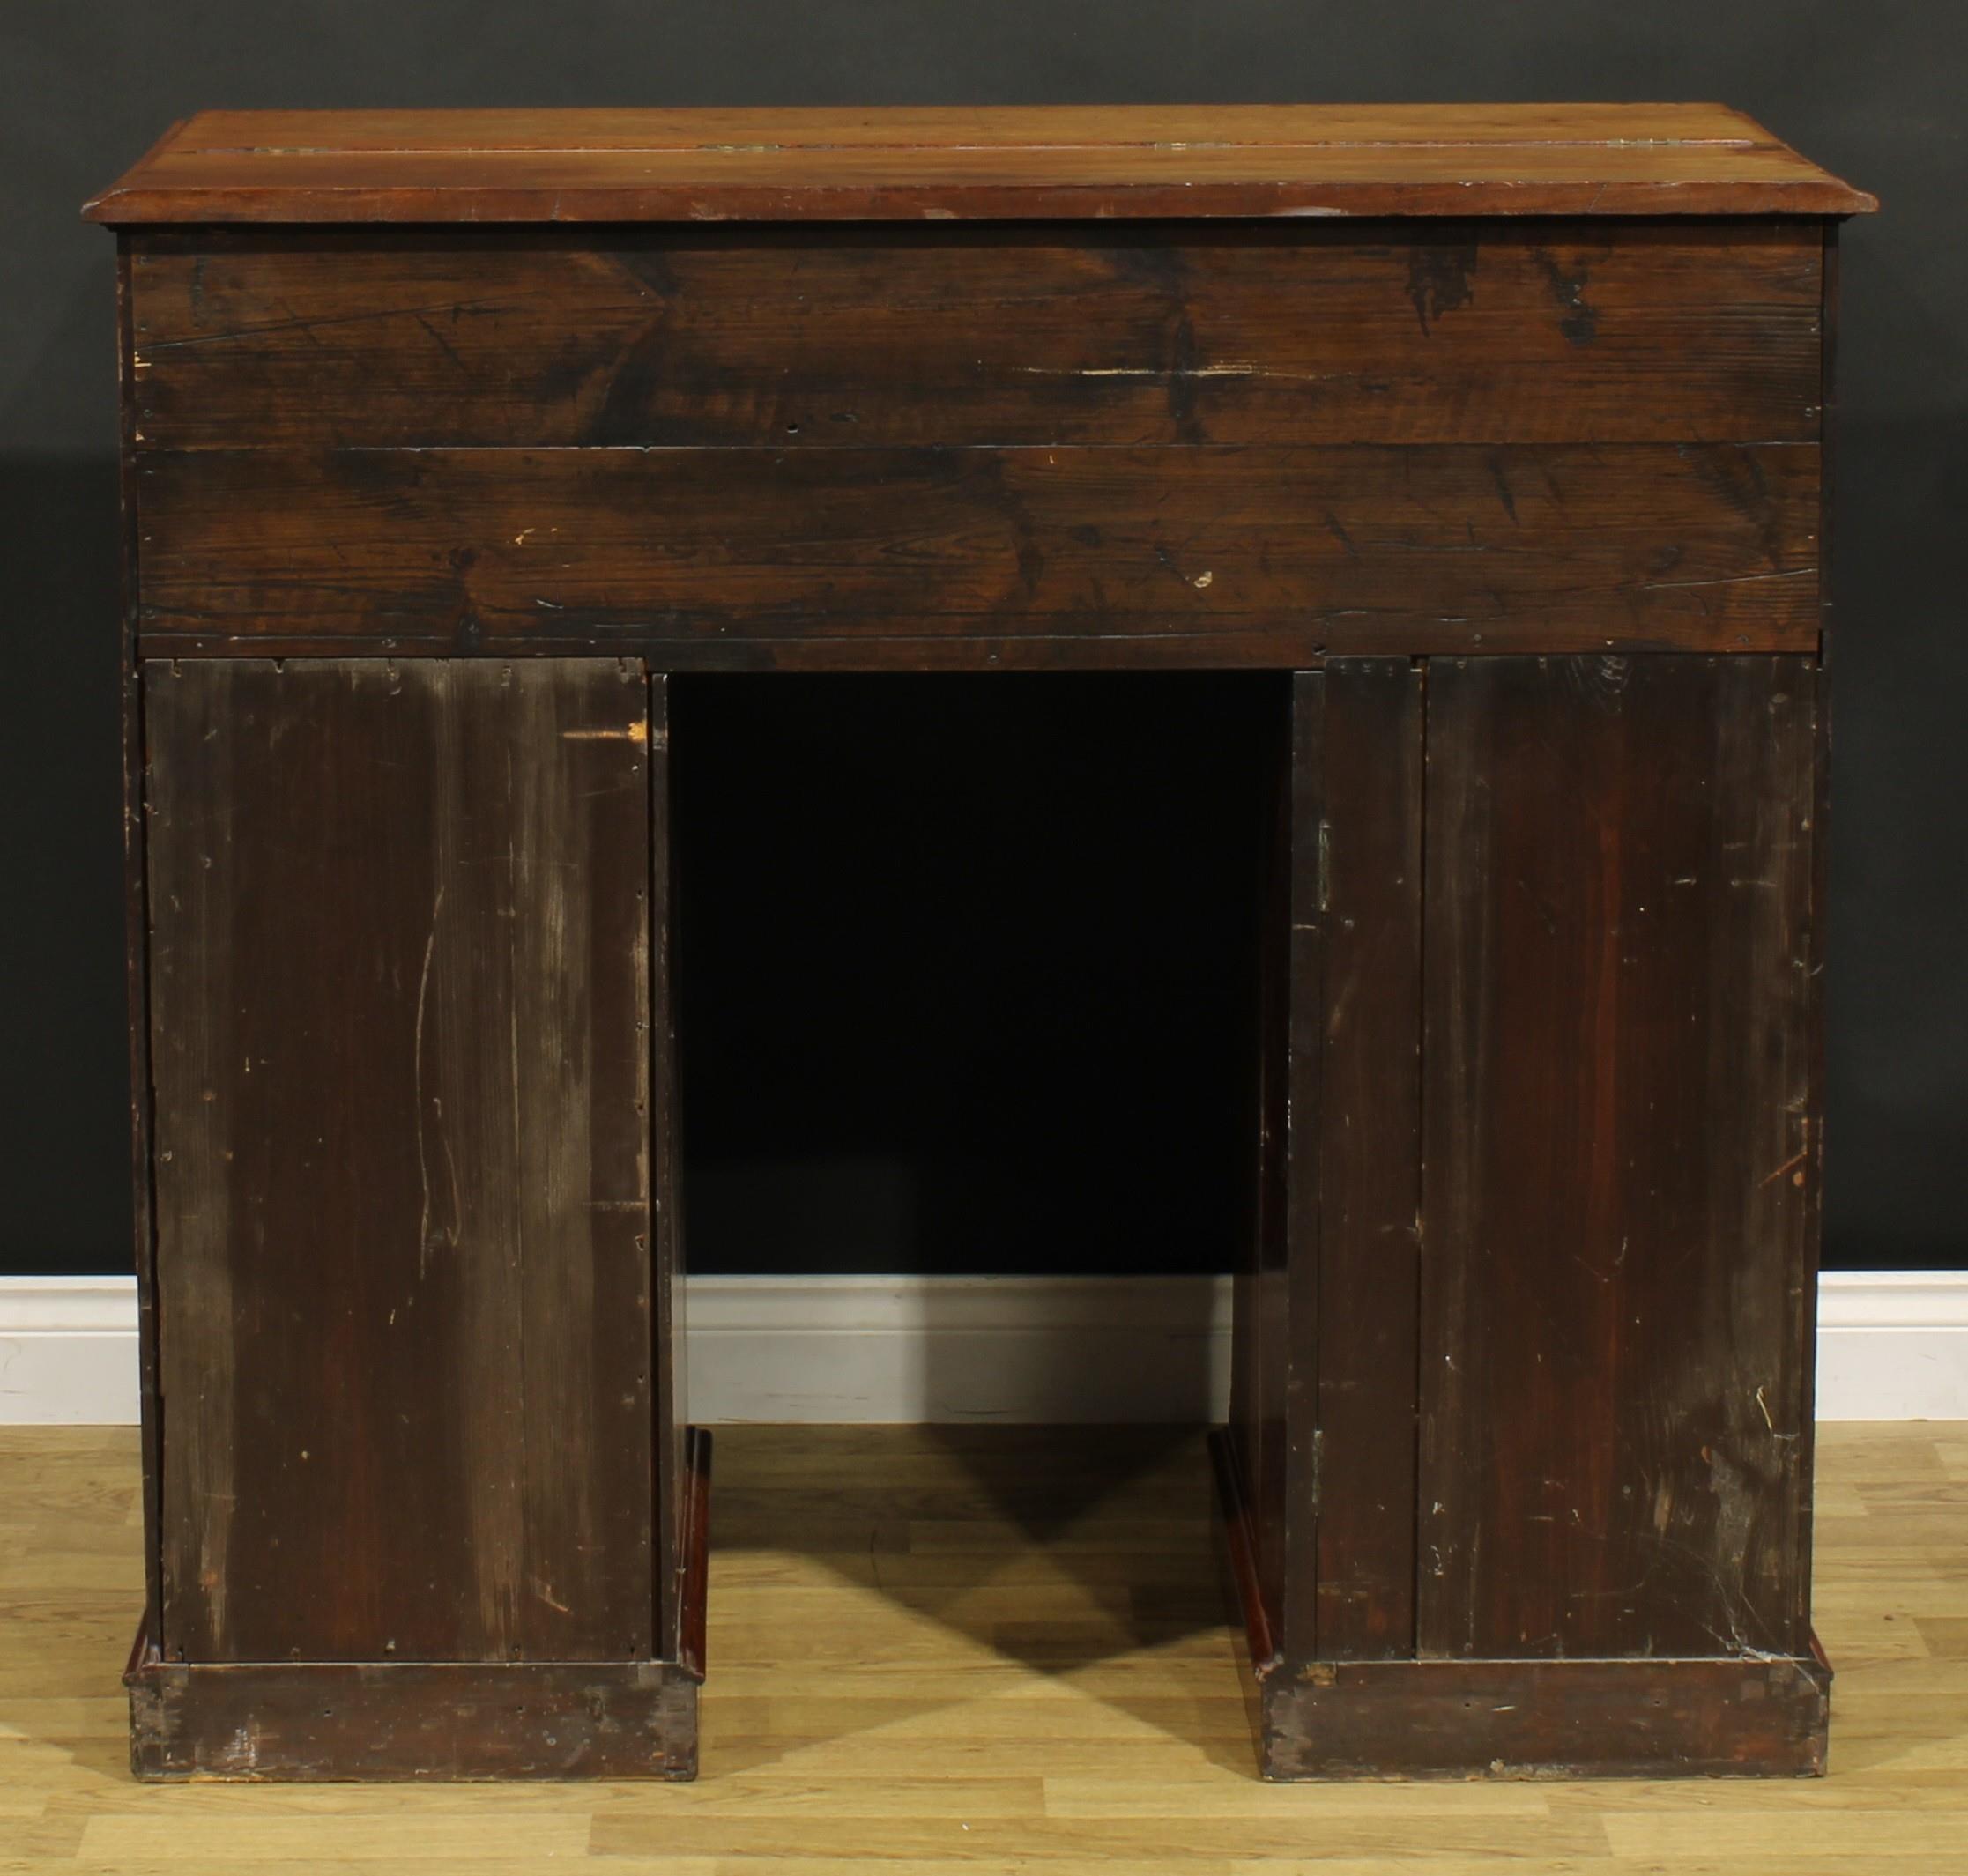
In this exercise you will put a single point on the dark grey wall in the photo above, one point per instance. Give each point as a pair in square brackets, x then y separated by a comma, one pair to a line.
[1874, 91]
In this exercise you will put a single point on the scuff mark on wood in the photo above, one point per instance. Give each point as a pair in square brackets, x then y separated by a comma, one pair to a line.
[1577, 321]
[1438, 279]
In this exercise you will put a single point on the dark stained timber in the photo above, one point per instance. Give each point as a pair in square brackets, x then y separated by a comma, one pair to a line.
[798, 339]
[1261, 1305]
[136, 963]
[671, 1484]
[1368, 1012]
[1323, 1407]
[431, 1721]
[1347, 549]
[1499, 434]
[427, 1722]
[1764, 1715]
[399, 962]
[1313, 706]
[692, 1576]
[1618, 1291]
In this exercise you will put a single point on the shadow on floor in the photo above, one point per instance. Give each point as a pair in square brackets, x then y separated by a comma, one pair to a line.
[1082, 1555]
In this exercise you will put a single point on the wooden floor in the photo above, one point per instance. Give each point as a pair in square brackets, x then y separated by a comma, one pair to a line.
[934, 1649]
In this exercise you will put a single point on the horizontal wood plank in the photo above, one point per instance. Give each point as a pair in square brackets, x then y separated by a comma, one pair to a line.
[767, 164]
[1146, 649]
[822, 129]
[1478, 333]
[1766, 1717]
[1354, 549]
[422, 1721]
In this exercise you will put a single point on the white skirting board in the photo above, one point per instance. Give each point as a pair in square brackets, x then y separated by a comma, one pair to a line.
[1892, 1345]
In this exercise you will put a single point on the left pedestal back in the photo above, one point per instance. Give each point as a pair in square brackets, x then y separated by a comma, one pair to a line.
[400, 982]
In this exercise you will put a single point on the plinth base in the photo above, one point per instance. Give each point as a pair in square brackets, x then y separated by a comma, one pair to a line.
[327, 1720]
[1751, 1717]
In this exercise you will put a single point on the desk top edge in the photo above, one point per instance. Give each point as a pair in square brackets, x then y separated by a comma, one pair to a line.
[948, 163]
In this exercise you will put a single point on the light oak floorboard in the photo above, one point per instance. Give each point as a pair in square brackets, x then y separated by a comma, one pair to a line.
[944, 1652]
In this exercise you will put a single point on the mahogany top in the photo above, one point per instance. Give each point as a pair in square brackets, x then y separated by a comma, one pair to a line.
[943, 164]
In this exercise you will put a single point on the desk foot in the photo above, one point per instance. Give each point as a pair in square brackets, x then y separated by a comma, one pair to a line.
[1736, 1716]
[310, 1721]
[335, 1721]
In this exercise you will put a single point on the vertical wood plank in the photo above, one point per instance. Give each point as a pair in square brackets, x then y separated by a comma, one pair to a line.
[136, 927]
[1821, 888]
[1274, 1384]
[1324, 1393]
[671, 1484]
[1369, 1164]
[1620, 1156]
[399, 979]
[1261, 1314]
[1310, 712]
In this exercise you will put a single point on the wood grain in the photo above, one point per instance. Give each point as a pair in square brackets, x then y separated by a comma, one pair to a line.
[1761, 1716]
[399, 992]
[1553, 1719]
[1347, 550]
[1323, 1384]
[412, 1722]
[1263, 1346]
[672, 1486]
[807, 338]
[136, 895]
[434, 1722]
[1617, 1299]
[1275, 1447]
[1071, 161]
[1313, 707]
[1367, 1010]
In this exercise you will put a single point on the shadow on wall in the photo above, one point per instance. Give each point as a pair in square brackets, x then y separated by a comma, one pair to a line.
[63, 1023]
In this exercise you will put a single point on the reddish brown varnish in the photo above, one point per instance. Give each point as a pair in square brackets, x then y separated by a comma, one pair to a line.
[399, 992]
[1496, 435]
[1073, 162]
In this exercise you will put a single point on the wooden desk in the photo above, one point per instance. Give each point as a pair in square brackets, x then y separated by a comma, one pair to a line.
[1496, 434]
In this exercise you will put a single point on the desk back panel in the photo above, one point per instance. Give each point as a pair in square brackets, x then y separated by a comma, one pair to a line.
[871, 338]
[1524, 511]
[1042, 446]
